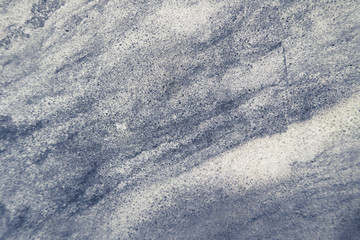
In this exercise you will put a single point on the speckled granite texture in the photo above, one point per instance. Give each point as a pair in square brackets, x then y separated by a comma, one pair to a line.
[179, 119]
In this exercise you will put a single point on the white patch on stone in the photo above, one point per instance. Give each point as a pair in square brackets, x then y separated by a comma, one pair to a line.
[185, 19]
[121, 126]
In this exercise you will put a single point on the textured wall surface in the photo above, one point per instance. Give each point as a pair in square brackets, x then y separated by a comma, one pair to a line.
[191, 119]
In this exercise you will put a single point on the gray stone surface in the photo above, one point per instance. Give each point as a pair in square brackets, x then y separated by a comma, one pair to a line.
[179, 119]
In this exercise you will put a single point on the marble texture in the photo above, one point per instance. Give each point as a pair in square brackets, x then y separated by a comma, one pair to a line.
[194, 119]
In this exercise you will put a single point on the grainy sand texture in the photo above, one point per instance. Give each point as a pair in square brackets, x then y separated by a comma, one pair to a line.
[191, 119]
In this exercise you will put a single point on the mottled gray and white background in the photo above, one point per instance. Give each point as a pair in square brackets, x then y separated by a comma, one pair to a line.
[186, 119]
